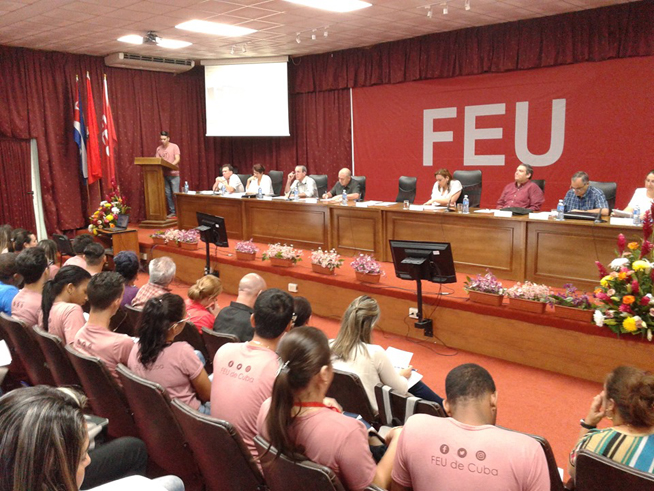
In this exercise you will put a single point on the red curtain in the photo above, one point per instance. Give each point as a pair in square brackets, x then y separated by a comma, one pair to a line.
[618, 31]
[16, 203]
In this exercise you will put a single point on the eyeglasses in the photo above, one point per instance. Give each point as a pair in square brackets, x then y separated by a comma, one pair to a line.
[183, 321]
[579, 188]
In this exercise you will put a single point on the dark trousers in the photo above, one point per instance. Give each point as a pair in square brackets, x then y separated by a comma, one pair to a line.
[119, 458]
[423, 391]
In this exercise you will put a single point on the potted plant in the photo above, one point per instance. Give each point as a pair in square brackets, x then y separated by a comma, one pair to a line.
[366, 268]
[159, 237]
[485, 289]
[325, 262]
[529, 297]
[188, 239]
[572, 305]
[624, 296]
[246, 250]
[282, 255]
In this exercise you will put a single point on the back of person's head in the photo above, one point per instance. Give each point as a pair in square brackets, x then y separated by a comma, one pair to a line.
[356, 327]
[273, 312]
[304, 353]
[68, 275]
[42, 437]
[80, 242]
[162, 271]
[50, 248]
[302, 309]
[21, 239]
[468, 382]
[8, 268]
[632, 391]
[251, 285]
[104, 289]
[206, 287]
[159, 315]
[31, 264]
[127, 265]
[94, 254]
[581, 175]
[5, 238]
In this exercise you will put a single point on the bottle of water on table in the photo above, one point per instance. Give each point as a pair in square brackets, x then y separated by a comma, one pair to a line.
[560, 209]
[344, 198]
[466, 204]
[259, 193]
[186, 187]
[296, 194]
[636, 215]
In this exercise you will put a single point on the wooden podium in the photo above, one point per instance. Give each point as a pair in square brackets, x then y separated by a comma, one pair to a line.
[156, 210]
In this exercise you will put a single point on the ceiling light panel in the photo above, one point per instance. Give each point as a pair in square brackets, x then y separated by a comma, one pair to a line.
[214, 28]
[334, 5]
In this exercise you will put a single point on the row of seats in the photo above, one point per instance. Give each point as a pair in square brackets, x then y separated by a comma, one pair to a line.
[208, 453]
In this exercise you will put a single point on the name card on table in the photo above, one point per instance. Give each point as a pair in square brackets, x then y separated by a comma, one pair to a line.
[361, 204]
[313, 201]
[543, 215]
[622, 221]
[190, 192]
[267, 198]
[502, 214]
[416, 207]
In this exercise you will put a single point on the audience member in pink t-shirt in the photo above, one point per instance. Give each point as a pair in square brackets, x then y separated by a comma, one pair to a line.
[78, 244]
[201, 304]
[32, 265]
[466, 451]
[243, 373]
[299, 419]
[174, 366]
[62, 302]
[104, 292]
[76, 261]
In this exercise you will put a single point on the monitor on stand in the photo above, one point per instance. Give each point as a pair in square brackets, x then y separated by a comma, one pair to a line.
[431, 261]
[212, 231]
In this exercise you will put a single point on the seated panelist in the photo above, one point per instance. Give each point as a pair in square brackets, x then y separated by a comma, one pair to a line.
[522, 193]
[259, 180]
[446, 190]
[643, 197]
[230, 181]
[345, 182]
[305, 185]
[584, 197]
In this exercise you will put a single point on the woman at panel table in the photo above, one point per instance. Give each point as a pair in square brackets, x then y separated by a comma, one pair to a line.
[628, 401]
[259, 180]
[446, 190]
[643, 197]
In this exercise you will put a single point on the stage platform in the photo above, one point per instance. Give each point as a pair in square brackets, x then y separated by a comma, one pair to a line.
[539, 340]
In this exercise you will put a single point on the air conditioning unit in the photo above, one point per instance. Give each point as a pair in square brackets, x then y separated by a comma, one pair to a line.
[152, 63]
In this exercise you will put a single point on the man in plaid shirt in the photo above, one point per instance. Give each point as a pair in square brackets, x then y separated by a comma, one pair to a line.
[162, 273]
[584, 197]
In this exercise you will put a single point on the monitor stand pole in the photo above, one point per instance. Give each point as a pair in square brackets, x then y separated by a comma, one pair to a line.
[423, 323]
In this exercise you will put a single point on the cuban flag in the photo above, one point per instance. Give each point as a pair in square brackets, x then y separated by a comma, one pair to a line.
[79, 131]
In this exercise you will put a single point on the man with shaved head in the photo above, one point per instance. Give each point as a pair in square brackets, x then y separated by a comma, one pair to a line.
[235, 319]
[345, 183]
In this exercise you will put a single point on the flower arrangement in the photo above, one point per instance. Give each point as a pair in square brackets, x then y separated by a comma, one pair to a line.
[530, 291]
[625, 303]
[246, 247]
[191, 236]
[282, 252]
[571, 298]
[326, 259]
[106, 215]
[487, 283]
[366, 264]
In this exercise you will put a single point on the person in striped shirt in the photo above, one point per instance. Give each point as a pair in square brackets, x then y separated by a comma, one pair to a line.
[628, 401]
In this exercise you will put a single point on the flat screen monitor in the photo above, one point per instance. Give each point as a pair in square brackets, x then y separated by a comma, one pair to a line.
[217, 233]
[431, 261]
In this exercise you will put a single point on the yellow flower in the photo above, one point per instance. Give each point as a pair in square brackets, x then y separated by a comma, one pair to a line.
[622, 276]
[95, 231]
[629, 324]
[605, 281]
[642, 266]
[109, 217]
[633, 245]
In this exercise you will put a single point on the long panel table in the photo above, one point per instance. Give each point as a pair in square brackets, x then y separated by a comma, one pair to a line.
[517, 248]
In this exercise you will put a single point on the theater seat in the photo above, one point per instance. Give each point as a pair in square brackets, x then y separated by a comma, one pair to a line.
[348, 390]
[133, 318]
[609, 189]
[395, 408]
[64, 247]
[595, 472]
[471, 182]
[407, 189]
[159, 428]
[244, 179]
[214, 340]
[52, 347]
[224, 460]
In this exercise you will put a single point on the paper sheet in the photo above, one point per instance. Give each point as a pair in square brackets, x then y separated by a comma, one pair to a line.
[5, 356]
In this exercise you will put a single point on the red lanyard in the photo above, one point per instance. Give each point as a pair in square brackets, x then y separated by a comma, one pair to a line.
[316, 404]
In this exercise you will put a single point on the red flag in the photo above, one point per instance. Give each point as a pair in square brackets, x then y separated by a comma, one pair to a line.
[94, 163]
[108, 135]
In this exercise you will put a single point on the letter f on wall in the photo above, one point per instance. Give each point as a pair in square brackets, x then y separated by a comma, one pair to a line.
[429, 136]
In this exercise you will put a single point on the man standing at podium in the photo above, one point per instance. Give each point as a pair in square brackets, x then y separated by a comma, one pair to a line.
[170, 153]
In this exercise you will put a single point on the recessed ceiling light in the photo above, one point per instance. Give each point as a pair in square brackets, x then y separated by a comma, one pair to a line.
[172, 43]
[334, 5]
[206, 27]
[132, 39]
